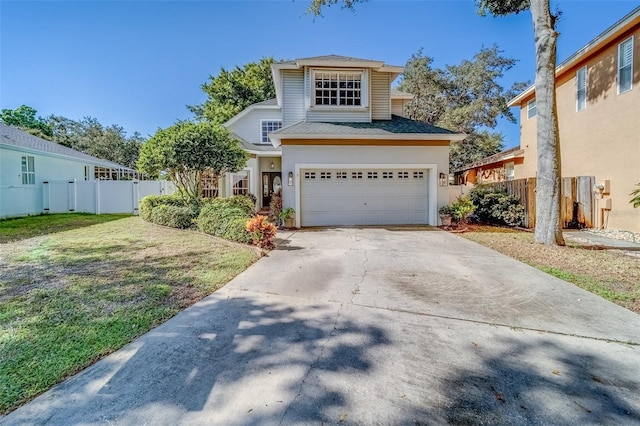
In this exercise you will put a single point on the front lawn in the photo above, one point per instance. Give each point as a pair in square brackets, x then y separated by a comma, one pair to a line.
[70, 298]
[33, 226]
[609, 274]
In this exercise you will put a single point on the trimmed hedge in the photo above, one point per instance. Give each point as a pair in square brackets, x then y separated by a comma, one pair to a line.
[173, 216]
[148, 203]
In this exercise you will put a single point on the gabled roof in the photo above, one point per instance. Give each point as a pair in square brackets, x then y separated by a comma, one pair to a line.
[332, 61]
[268, 104]
[508, 154]
[396, 128]
[594, 46]
[15, 137]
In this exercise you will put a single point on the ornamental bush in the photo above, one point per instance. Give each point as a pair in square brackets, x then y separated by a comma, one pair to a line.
[173, 216]
[261, 230]
[496, 206]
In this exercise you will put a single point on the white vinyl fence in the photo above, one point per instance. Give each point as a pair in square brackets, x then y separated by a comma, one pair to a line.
[100, 196]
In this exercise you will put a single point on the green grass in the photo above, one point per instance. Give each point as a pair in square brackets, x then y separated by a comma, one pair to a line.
[79, 295]
[598, 286]
[33, 226]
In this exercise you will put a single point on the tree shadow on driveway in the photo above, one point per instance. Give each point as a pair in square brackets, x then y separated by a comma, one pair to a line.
[563, 386]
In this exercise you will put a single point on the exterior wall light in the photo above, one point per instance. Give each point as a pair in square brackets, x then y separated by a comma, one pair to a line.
[290, 179]
[443, 179]
[272, 165]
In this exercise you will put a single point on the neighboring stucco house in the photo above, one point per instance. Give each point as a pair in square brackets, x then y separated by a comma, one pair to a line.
[334, 143]
[598, 100]
[26, 161]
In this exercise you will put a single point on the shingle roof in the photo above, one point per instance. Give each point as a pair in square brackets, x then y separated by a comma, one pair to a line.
[10, 135]
[272, 101]
[397, 125]
[335, 58]
[502, 155]
[248, 146]
[399, 94]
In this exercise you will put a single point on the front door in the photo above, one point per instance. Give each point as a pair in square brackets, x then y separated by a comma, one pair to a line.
[271, 184]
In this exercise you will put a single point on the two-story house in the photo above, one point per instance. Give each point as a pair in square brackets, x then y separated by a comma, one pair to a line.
[335, 145]
[598, 104]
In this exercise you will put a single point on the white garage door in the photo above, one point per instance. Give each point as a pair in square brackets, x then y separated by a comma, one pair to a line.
[363, 197]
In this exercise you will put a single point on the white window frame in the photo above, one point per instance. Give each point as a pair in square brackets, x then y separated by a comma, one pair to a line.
[262, 133]
[364, 92]
[245, 176]
[581, 88]
[530, 108]
[28, 167]
[620, 67]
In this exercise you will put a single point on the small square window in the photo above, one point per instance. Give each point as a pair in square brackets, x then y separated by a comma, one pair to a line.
[403, 175]
[325, 175]
[268, 126]
[341, 175]
[309, 175]
[387, 175]
[372, 175]
[418, 175]
[356, 175]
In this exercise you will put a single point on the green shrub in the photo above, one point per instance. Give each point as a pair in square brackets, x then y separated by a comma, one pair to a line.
[461, 209]
[494, 206]
[236, 230]
[148, 203]
[227, 218]
[173, 216]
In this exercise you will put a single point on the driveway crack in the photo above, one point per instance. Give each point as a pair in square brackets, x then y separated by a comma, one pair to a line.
[356, 290]
[313, 364]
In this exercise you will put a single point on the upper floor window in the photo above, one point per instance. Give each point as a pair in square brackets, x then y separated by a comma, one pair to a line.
[28, 170]
[338, 88]
[581, 89]
[625, 65]
[532, 110]
[268, 126]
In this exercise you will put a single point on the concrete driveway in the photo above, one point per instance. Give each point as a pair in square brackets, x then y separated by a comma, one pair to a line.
[370, 326]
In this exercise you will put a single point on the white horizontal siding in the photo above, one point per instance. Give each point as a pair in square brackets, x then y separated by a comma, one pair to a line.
[249, 127]
[293, 93]
[397, 107]
[380, 88]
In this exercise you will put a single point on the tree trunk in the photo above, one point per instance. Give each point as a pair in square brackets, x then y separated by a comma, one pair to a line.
[548, 228]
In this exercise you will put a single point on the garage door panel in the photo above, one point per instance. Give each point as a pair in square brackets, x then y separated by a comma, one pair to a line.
[363, 197]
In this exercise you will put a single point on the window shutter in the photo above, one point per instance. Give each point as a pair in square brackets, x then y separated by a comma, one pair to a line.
[582, 79]
[626, 53]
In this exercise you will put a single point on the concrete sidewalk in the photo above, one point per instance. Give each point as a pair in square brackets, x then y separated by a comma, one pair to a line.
[370, 326]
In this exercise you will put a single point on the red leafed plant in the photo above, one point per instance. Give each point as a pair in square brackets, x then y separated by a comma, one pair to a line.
[262, 231]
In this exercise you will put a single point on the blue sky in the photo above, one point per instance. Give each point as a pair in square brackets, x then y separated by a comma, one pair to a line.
[138, 63]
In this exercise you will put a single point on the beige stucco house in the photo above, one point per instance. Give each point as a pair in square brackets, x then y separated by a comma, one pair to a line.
[598, 100]
[334, 143]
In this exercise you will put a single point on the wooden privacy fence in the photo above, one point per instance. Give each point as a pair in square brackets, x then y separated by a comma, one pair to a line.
[577, 203]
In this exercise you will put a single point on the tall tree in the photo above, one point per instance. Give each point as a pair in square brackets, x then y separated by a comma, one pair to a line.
[25, 118]
[186, 150]
[89, 136]
[466, 98]
[230, 92]
[548, 228]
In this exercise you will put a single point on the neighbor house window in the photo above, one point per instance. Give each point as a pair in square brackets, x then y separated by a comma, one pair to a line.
[581, 89]
[268, 126]
[532, 111]
[338, 88]
[240, 182]
[625, 65]
[509, 171]
[28, 170]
